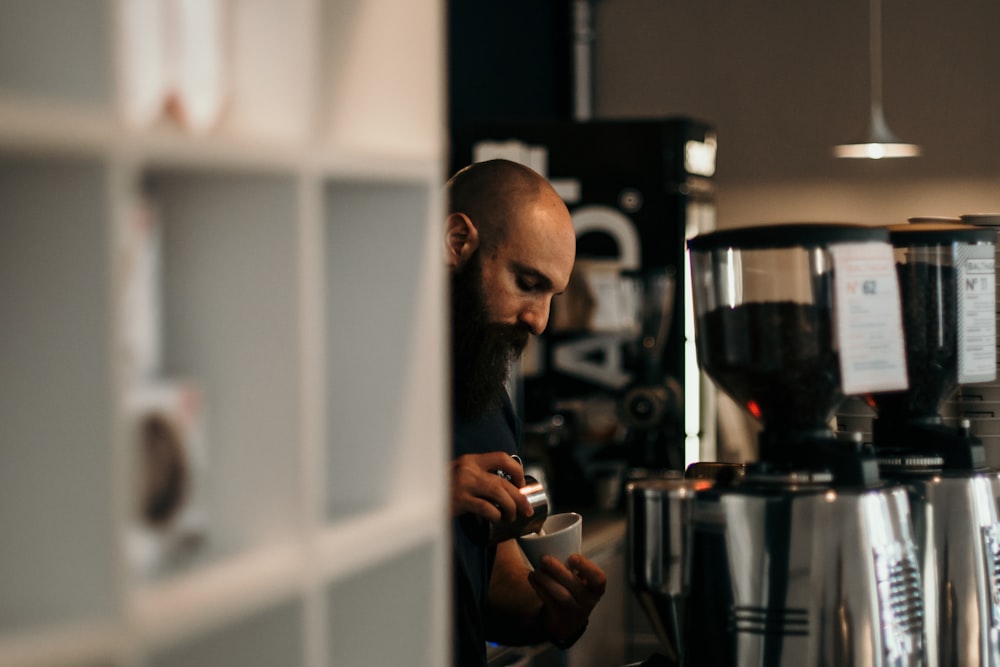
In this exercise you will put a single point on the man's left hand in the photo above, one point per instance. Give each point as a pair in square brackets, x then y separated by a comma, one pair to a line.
[569, 592]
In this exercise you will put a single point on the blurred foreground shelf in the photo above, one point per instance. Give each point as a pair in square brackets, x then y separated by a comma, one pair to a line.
[223, 313]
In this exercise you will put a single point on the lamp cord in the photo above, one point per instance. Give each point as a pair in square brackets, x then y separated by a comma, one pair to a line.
[875, 46]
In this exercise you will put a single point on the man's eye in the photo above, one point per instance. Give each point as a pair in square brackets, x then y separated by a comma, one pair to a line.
[527, 285]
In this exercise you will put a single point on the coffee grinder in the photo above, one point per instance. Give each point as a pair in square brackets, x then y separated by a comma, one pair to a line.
[947, 287]
[806, 556]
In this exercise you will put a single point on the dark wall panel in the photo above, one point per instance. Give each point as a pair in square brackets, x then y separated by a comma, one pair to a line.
[508, 60]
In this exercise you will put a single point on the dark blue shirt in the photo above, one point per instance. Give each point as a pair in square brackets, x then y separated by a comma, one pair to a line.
[498, 431]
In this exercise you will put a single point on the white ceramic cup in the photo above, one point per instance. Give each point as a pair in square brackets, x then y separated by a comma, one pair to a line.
[561, 536]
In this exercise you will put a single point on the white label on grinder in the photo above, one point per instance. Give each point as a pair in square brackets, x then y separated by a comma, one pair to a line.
[977, 352]
[869, 320]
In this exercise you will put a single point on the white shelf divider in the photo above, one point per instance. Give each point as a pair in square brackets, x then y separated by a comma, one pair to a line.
[36, 127]
[313, 389]
[70, 645]
[32, 126]
[365, 541]
[209, 597]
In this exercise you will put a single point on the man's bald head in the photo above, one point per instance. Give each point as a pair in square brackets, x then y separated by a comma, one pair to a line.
[510, 245]
[489, 193]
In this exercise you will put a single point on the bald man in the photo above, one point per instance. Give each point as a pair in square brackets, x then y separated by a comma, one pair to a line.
[510, 247]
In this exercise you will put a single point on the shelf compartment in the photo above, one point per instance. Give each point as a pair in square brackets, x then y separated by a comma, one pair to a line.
[379, 95]
[56, 412]
[230, 316]
[216, 66]
[273, 636]
[58, 51]
[390, 614]
[270, 69]
[384, 340]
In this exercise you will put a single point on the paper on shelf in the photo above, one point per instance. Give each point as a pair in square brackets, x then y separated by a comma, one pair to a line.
[174, 59]
[143, 58]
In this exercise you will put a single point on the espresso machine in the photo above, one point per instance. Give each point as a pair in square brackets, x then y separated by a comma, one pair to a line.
[804, 557]
[947, 285]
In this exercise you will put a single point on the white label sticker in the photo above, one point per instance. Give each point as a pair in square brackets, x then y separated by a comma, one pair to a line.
[869, 320]
[977, 352]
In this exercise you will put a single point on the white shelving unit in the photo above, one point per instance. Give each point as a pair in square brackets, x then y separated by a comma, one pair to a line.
[300, 290]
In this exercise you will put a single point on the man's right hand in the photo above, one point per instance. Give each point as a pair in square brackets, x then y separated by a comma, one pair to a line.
[476, 488]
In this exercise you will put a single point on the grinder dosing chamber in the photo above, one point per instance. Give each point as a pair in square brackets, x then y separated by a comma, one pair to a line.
[946, 277]
[807, 558]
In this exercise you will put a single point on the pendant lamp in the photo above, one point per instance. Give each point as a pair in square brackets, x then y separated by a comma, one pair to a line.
[881, 142]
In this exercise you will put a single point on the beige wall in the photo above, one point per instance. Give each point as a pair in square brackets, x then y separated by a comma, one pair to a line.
[784, 80]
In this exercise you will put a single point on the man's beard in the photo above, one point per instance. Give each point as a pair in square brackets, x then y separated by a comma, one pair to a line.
[482, 351]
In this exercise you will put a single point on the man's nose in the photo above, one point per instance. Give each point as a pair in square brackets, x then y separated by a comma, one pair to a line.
[536, 315]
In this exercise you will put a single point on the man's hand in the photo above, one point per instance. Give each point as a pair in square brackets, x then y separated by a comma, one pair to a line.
[568, 593]
[477, 489]
[552, 603]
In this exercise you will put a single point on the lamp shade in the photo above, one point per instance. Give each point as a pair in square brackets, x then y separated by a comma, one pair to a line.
[881, 142]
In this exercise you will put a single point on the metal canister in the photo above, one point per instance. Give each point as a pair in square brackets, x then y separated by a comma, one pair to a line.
[658, 550]
[537, 496]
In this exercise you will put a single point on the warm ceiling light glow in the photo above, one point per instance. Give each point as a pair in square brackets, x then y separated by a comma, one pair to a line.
[876, 151]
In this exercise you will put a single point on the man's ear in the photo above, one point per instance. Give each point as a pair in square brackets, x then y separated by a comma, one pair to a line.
[461, 239]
